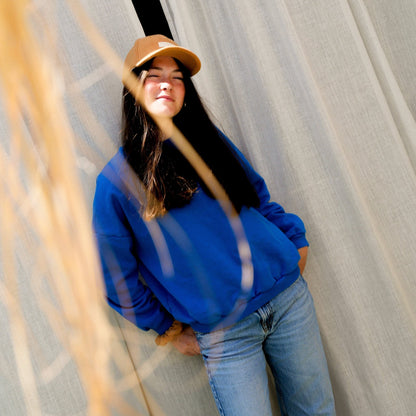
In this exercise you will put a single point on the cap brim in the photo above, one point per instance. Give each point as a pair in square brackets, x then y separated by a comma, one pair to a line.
[188, 58]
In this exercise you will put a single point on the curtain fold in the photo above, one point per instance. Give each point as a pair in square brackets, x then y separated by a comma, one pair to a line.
[390, 70]
[320, 97]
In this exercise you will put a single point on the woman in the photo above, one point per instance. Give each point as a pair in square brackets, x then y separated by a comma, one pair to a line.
[154, 216]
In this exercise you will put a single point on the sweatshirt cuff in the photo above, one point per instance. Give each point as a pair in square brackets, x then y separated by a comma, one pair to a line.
[164, 326]
[300, 242]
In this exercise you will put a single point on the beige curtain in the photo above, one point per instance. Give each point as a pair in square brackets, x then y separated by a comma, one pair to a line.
[320, 97]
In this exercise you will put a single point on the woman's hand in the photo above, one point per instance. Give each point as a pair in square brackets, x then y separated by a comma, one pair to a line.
[303, 256]
[186, 342]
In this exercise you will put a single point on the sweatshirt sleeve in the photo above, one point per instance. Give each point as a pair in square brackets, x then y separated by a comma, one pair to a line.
[290, 224]
[116, 245]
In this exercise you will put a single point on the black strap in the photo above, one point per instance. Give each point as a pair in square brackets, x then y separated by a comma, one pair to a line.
[152, 17]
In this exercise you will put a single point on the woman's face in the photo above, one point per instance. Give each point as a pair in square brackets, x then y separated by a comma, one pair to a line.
[164, 89]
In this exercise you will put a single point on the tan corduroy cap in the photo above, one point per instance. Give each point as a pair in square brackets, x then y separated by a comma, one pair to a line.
[149, 47]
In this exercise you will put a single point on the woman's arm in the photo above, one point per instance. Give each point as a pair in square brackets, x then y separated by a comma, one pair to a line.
[290, 224]
[117, 249]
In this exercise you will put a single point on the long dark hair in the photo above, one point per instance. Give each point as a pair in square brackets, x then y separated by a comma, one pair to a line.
[168, 178]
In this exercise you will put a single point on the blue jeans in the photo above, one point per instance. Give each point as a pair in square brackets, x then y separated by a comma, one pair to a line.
[284, 333]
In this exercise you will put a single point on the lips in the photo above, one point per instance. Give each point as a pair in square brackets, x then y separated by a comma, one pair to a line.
[165, 97]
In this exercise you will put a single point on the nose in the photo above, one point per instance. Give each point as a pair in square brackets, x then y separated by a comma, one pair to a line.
[165, 85]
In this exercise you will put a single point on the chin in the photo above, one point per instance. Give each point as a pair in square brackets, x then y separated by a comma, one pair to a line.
[163, 112]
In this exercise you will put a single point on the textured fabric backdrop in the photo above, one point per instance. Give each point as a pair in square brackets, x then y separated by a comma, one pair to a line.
[320, 97]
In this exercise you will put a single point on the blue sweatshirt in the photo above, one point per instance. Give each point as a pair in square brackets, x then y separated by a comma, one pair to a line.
[186, 265]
